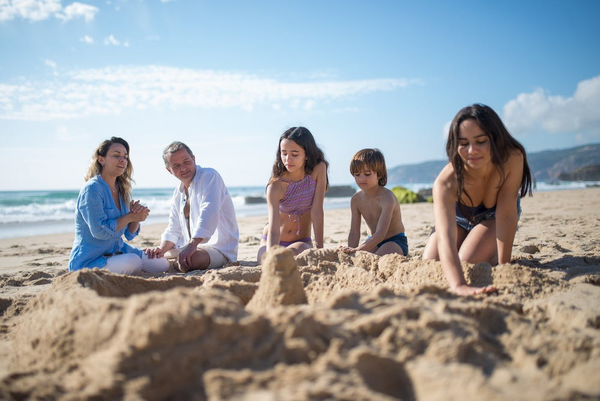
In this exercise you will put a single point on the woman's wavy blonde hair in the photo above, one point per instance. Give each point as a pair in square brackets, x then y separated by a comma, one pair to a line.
[124, 181]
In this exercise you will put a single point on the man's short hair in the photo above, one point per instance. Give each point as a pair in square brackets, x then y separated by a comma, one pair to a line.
[175, 147]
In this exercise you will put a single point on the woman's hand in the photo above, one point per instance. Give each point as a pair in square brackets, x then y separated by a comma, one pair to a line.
[467, 290]
[137, 211]
[346, 249]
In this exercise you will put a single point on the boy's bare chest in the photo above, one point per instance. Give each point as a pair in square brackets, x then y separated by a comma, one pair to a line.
[370, 209]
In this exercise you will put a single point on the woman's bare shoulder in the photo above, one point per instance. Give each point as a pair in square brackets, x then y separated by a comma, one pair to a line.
[446, 179]
[515, 158]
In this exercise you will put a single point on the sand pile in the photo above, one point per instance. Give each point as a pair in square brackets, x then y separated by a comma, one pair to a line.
[323, 325]
[326, 325]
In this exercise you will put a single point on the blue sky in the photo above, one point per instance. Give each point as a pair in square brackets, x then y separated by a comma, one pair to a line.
[229, 77]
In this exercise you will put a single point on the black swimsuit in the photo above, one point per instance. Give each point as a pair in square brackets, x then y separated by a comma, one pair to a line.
[478, 214]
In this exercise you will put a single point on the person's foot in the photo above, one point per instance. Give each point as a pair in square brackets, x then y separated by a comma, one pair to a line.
[174, 266]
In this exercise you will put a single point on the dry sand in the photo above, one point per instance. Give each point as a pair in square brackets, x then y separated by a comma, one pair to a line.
[324, 325]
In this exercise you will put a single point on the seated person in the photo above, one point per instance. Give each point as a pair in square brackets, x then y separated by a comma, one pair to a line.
[105, 213]
[202, 231]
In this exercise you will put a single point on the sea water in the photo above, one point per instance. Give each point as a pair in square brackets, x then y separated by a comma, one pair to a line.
[27, 213]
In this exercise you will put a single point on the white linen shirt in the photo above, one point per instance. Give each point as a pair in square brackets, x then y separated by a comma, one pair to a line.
[212, 216]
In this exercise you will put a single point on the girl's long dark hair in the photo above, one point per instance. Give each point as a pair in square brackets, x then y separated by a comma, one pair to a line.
[502, 144]
[304, 139]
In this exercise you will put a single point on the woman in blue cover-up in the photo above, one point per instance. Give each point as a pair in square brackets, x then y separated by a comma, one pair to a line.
[105, 213]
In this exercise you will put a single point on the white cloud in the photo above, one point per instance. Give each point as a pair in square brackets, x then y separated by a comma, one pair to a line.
[111, 90]
[50, 63]
[111, 40]
[63, 134]
[556, 114]
[309, 104]
[75, 10]
[446, 129]
[87, 39]
[38, 10]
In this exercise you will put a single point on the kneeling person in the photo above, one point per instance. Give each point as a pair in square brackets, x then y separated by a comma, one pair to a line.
[377, 205]
[202, 231]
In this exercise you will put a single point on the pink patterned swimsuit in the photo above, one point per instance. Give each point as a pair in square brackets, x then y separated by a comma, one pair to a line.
[298, 198]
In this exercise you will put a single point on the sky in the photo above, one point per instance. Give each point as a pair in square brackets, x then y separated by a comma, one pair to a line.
[229, 77]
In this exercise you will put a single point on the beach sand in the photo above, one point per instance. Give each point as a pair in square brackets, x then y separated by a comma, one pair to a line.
[324, 325]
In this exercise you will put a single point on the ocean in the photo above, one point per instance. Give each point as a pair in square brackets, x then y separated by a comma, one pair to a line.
[28, 213]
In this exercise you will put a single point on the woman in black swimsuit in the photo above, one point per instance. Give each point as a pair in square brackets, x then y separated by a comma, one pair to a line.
[476, 196]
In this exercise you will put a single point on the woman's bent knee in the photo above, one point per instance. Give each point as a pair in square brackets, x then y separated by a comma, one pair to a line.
[128, 263]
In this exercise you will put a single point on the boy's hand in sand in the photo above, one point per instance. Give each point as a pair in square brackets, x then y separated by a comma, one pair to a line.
[465, 290]
[154, 252]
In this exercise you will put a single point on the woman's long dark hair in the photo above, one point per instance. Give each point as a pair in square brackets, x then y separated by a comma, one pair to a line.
[502, 144]
[304, 139]
[125, 180]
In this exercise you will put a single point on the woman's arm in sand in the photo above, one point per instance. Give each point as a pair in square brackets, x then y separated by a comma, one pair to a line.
[354, 235]
[274, 195]
[506, 208]
[317, 215]
[444, 201]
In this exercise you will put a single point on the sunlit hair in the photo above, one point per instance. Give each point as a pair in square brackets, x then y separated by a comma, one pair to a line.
[304, 139]
[502, 145]
[370, 159]
[175, 147]
[125, 180]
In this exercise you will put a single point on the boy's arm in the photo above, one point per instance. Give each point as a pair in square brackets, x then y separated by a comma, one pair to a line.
[383, 224]
[354, 235]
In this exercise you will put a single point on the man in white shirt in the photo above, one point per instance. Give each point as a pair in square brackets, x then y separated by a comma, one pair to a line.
[202, 231]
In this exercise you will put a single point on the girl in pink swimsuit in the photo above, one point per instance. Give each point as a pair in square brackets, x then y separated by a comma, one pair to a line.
[295, 194]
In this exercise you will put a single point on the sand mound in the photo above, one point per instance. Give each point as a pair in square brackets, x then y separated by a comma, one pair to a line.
[280, 282]
[374, 328]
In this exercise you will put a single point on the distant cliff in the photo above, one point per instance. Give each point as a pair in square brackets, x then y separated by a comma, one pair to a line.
[549, 165]
[587, 173]
[411, 173]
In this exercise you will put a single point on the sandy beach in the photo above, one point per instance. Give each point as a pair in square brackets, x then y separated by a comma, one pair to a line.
[323, 325]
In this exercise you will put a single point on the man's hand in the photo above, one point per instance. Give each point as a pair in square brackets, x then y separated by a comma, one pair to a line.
[154, 252]
[185, 257]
